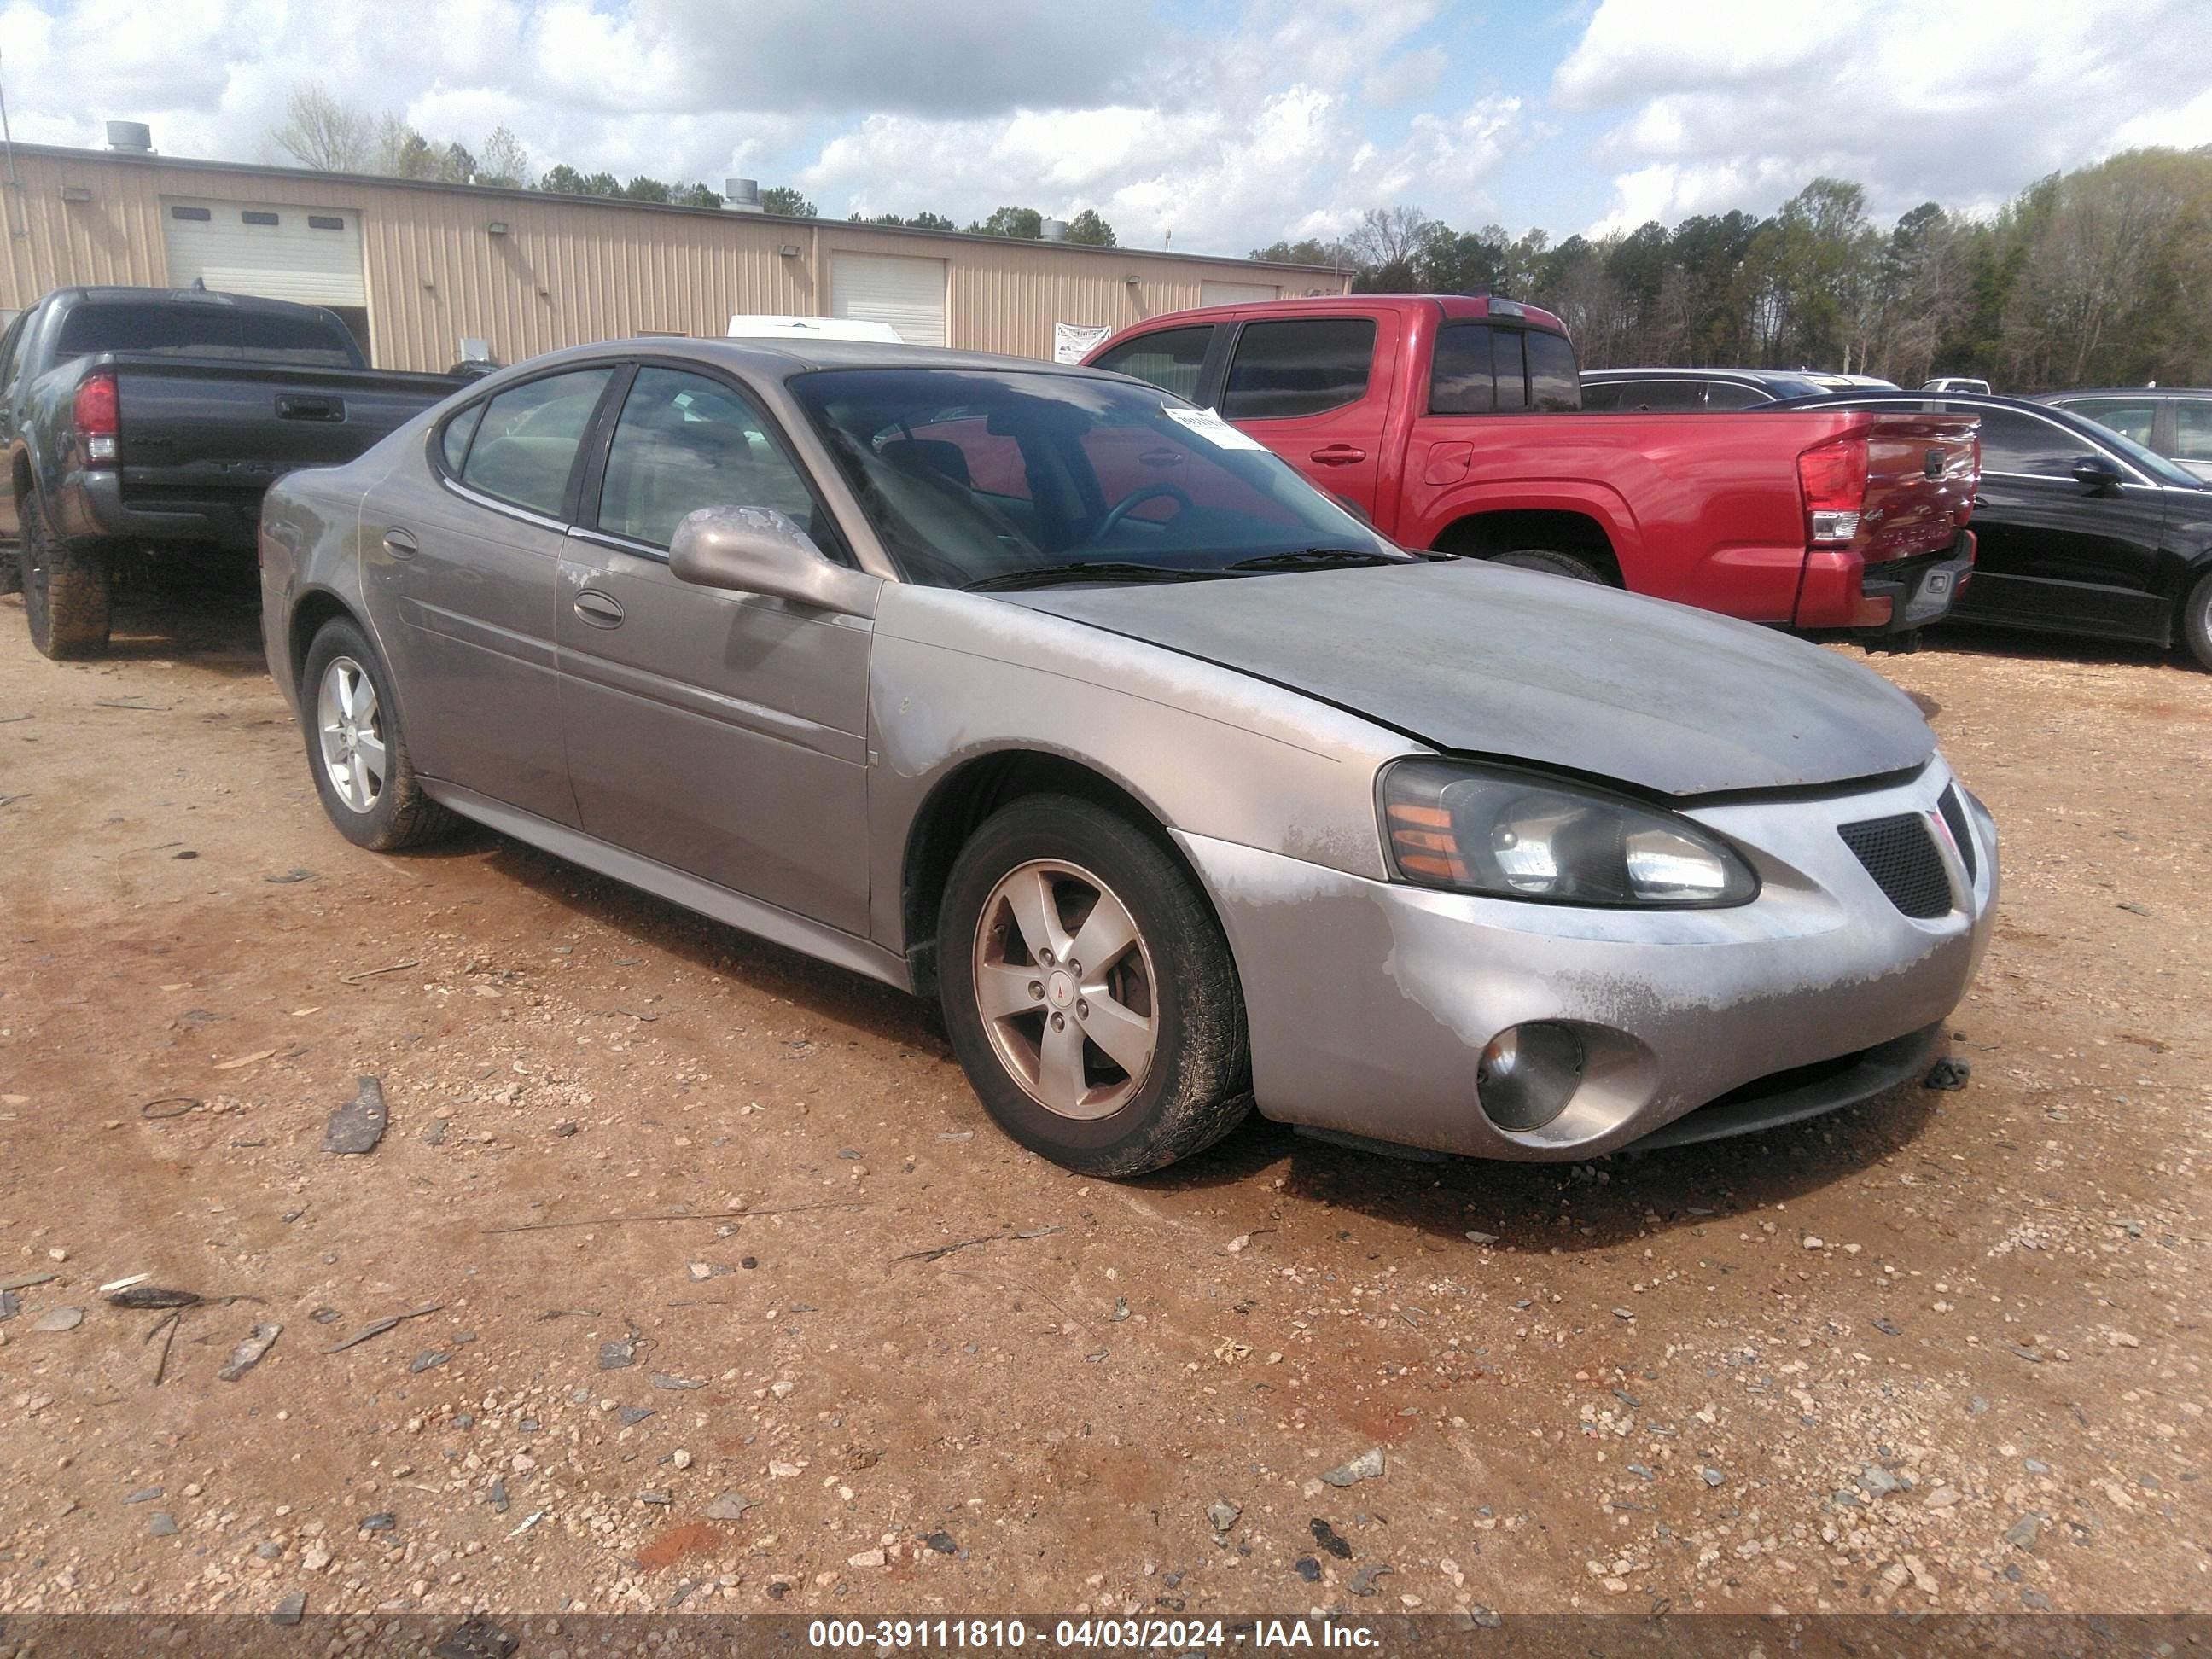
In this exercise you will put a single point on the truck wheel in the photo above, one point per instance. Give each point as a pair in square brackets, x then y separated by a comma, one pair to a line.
[2196, 621]
[1088, 991]
[67, 592]
[1573, 565]
[355, 749]
[11, 571]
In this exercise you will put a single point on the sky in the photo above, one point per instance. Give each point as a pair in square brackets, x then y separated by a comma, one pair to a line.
[1209, 125]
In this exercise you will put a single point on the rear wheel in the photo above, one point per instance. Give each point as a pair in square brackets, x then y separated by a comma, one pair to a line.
[1571, 565]
[356, 749]
[67, 592]
[1088, 991]
[2196, 621]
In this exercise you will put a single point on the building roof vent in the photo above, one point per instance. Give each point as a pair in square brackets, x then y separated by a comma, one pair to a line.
[131, 137]
[1052, 230]
[741, 195]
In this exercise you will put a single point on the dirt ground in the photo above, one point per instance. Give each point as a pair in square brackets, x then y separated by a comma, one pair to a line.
[1944, 1353]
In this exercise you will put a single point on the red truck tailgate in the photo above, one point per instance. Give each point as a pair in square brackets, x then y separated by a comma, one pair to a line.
[1921, 474]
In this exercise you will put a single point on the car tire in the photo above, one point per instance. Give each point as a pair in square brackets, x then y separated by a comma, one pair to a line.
[351, 736]
[1573, 566]
[11, 570]
[67, 592]
[2196, 621]
[1160, 963]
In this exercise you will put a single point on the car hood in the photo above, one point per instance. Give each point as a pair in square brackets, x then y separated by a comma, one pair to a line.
[1479, 659]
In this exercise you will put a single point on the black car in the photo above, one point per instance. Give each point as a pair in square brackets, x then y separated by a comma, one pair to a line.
[2080, 529]
[1707, 391]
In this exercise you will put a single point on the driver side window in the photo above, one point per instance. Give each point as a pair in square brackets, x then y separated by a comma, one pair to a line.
[683, 442]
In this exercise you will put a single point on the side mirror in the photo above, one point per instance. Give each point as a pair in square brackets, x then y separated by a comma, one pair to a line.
[2097, 474]
[756, 550]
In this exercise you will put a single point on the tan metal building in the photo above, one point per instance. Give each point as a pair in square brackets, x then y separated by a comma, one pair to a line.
[417, 268]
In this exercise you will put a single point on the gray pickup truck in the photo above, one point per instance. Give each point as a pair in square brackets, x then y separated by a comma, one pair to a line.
[142, 426]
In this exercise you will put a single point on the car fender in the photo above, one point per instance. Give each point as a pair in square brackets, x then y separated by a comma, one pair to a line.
[1588, 498]
[957, 677]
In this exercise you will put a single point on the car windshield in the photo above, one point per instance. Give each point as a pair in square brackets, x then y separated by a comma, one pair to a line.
[995, 476]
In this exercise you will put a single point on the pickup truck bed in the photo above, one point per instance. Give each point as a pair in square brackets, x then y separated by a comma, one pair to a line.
[142, 426]
[199, 442]
[1453, 423]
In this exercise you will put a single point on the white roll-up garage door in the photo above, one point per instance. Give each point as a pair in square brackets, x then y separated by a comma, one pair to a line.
[907, 294]
[1237, 293]
[311, 255]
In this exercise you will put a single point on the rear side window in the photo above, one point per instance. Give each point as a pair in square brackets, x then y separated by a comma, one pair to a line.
[527, 444]
[1300, 367]
[1602, 397]
[178, 331]
[1555, 384]
[1170, 359]
[1655, 396]
[454, 444]
[1461, 381]
[2192, 434]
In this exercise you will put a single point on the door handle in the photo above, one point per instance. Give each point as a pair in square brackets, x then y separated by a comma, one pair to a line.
[1339, 455]
[600, 609]
[310, 409]
[401, 543]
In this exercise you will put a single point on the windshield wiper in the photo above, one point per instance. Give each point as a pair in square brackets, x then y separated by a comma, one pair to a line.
[1320, 558]
[1087, 570]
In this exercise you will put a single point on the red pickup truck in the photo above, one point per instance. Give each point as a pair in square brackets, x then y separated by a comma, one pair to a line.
[1456, 423]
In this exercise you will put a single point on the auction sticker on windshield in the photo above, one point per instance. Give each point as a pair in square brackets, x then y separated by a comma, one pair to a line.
[1212, 427]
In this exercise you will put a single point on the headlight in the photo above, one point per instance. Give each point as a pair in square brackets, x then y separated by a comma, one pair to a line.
[1515, 834]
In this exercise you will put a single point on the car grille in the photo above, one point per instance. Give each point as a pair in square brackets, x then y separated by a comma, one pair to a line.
[1902, 857]
[1954, 814]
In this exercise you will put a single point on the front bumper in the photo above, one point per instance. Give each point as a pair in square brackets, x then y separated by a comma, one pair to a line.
[1370, 1002]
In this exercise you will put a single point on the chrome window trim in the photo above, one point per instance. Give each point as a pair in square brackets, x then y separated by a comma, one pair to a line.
[506, 508]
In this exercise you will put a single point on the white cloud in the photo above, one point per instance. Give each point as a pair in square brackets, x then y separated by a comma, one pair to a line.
[1739, 104]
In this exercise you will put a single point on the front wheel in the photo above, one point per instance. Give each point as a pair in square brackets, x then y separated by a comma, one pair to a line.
[2196, 621]
[67, 592]
[1088, 991]
[356, 750]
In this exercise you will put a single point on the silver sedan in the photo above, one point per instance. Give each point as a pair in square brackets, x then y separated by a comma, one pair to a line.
[1037, 691]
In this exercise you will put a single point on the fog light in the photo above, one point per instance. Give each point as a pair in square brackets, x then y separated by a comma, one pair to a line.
[1528, 1075]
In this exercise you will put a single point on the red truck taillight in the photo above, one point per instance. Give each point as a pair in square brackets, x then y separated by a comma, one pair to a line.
[97, 415]
[1833, 477]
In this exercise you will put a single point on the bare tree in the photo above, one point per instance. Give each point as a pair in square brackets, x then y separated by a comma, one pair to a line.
[504, 161]
[1389, 236]
[322, 133]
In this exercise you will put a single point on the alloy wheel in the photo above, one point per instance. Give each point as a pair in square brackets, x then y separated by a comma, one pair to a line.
[1063, 983]
[351, 726]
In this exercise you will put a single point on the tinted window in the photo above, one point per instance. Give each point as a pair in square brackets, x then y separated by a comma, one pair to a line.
[308, 342]
[1170, 359]
[1510, 363]
[2132, 416]
[181, 330]
[1554, 383]
[528, 442]
[454, 445]
[2021, 443]
[1659, 396]
[683, 442]
[1727, 394]
[1459, 378]
[1602, 397]
[2193, 423]
[1299, 368]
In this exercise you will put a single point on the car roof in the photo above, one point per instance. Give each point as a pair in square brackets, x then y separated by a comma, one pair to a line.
[1456, 307]
[1741, 376]
[2123, 391]
[204, 297]
[780, 359]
